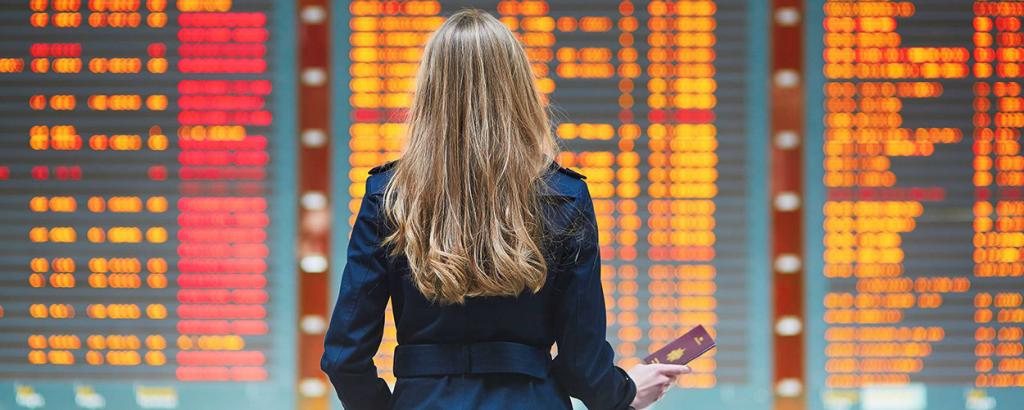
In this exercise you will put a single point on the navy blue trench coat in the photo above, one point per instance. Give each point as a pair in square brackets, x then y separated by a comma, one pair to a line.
[491, 352]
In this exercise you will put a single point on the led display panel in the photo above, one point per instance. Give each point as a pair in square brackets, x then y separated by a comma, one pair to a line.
[146, 190]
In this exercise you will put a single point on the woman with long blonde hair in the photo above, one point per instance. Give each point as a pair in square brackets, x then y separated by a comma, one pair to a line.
[487, 249]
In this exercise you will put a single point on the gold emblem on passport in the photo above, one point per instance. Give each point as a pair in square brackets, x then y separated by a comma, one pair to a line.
[684, 349]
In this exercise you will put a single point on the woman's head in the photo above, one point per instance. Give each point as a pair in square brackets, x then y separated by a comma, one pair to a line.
[463, 200]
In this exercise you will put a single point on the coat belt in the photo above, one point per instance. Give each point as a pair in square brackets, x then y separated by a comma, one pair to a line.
[413, 360]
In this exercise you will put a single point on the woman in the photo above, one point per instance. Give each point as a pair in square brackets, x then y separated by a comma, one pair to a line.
[487, 249]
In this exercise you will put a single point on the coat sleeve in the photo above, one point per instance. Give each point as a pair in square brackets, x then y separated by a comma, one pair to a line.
[584, 363]
[357, 324]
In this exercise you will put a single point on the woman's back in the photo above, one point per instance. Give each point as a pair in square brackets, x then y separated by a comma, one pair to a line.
[523, 318]
[492, 351]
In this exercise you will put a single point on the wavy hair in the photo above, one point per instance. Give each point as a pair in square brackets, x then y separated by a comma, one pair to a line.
[463, 202]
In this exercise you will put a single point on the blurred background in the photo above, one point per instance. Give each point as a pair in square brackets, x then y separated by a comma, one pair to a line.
[833, 188]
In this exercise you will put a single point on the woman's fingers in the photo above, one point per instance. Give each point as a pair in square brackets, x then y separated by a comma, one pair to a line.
[653, 381]
[672, 370]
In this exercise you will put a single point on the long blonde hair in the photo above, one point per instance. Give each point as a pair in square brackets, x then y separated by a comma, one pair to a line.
[463, 201]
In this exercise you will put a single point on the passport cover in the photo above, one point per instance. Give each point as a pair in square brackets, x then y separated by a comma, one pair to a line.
[684, 349]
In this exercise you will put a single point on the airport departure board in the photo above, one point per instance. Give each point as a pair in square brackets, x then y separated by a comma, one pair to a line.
[145, 255]
[652, 101]
[916, 222]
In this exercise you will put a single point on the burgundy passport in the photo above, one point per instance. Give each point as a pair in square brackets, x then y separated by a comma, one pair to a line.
[684, 349]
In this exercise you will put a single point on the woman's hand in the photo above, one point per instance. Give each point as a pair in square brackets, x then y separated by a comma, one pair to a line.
[653, 380]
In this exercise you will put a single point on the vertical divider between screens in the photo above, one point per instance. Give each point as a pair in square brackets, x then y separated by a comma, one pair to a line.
[313, 388]
[787, 88]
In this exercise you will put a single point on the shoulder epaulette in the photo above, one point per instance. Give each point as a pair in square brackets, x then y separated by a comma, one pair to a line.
[383, 167]
[571, 173]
